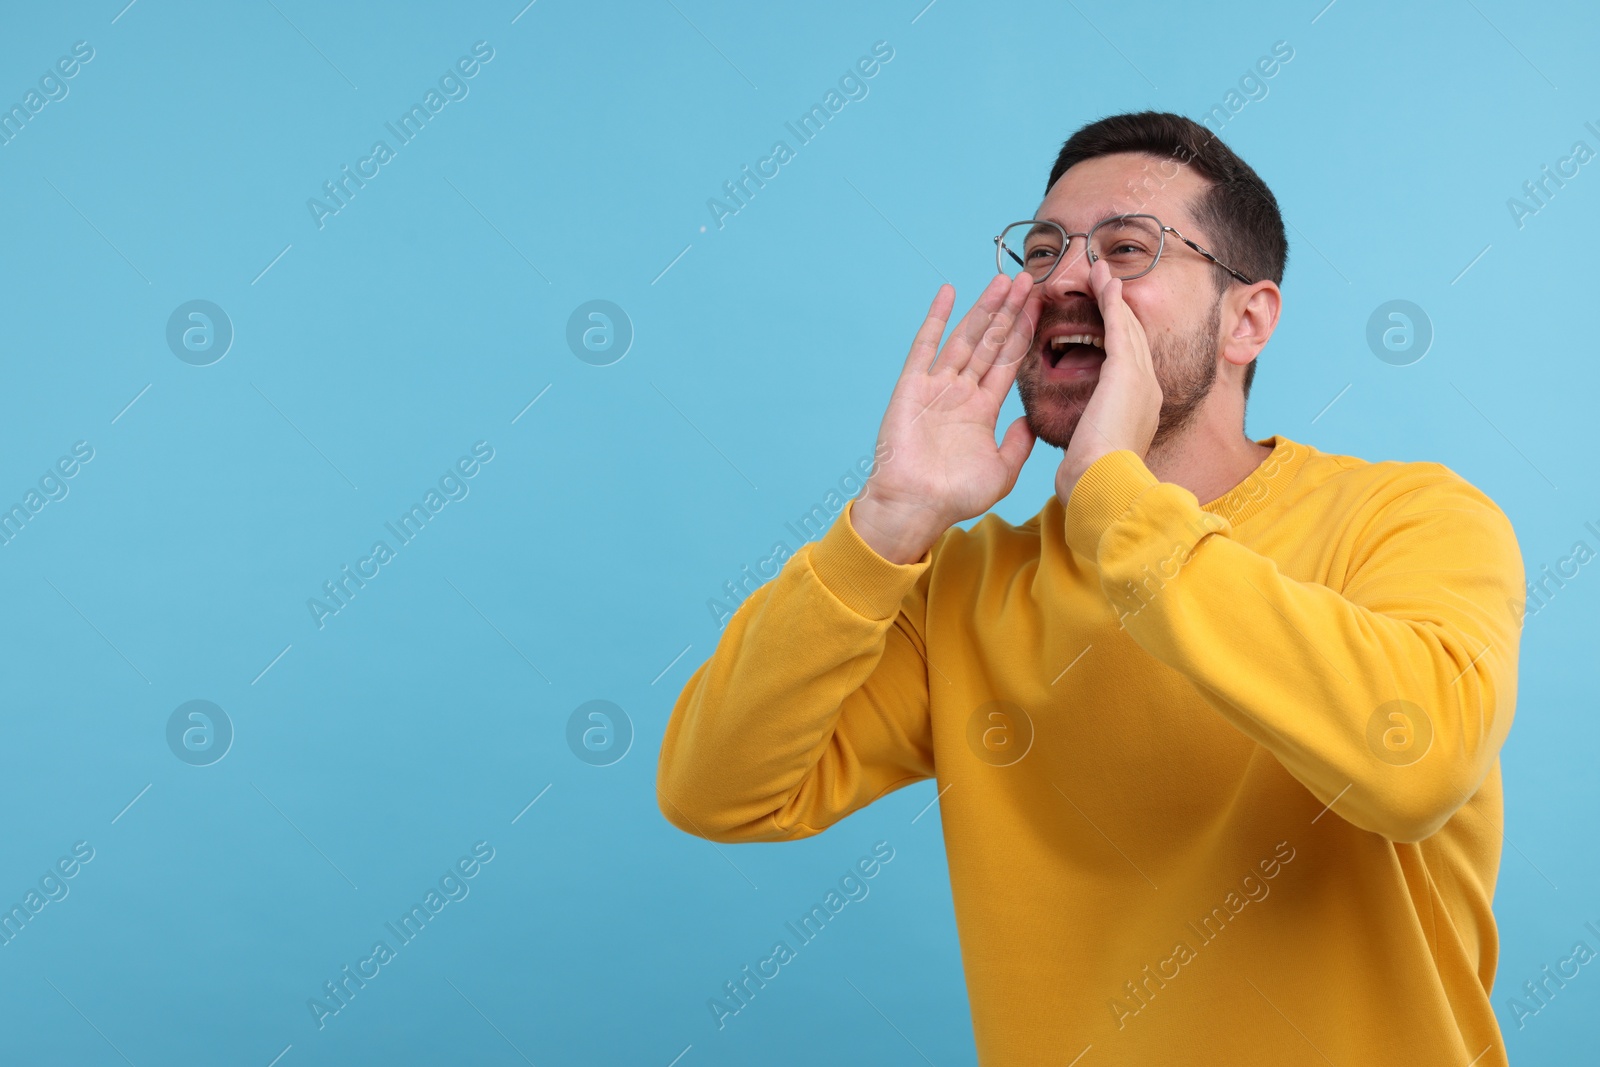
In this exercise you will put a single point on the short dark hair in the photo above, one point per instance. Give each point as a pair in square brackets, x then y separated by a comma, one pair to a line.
[1238, 211]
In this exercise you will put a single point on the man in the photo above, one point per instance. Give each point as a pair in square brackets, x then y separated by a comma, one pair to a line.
[1216, 733]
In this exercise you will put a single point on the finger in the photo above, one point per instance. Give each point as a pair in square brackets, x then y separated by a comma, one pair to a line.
[925, 347]
[1002, 371]
[1110, 312]
[969, 331]
[1015, 448]
[1139, 341]
[1003, 325]
[1125, 340]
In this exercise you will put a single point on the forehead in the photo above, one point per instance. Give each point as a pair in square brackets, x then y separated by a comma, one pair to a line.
[1118, 183]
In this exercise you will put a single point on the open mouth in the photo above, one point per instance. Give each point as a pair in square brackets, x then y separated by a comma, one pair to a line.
[1074, 349]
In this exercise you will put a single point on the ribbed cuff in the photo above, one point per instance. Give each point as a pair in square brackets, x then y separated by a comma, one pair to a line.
[1104, 492]
[862, 580]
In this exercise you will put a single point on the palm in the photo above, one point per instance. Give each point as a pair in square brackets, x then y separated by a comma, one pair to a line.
[941, 427]
[944, 465]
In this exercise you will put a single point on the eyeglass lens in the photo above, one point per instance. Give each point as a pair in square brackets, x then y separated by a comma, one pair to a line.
[1129, 245]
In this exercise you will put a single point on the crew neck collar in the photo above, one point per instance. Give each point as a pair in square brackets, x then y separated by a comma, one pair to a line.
[1263, 485]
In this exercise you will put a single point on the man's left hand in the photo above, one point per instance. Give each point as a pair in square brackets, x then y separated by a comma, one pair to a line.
[1125, 407]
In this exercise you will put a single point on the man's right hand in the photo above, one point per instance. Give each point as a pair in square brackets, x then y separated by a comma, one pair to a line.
[943, 465]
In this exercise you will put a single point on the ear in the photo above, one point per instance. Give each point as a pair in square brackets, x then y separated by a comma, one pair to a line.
[1250, 314]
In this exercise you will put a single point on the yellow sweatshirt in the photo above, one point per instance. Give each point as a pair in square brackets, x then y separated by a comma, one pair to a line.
[1219, 783]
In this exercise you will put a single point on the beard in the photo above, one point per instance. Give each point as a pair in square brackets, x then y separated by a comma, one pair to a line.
[1185, 367]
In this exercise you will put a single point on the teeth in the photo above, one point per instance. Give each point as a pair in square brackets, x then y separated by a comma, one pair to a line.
[1076, 338]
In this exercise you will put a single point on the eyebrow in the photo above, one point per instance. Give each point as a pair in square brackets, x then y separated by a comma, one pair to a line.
[1101, 218]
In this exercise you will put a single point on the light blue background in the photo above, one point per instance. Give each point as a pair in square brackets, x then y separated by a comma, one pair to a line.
[432, 310]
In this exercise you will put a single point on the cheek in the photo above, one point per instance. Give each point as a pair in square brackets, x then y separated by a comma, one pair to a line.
[1166, 317]
[1147, 305]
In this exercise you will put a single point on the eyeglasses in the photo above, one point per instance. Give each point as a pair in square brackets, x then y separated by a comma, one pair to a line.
[1131, 245]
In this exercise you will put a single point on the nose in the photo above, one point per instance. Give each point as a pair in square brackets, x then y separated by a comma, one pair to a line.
[1071, 276]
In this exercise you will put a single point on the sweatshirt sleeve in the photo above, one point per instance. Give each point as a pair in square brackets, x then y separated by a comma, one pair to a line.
[1389, 700]
[814, 702]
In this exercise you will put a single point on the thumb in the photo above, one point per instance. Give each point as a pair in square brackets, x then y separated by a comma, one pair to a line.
[1016, 446]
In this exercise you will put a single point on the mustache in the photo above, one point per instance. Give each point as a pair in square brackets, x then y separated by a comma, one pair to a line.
[1084, 314]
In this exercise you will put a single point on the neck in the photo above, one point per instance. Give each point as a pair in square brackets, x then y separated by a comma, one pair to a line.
[1210, 455]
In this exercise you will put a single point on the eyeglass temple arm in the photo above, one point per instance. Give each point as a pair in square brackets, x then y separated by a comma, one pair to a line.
[1010, 253]
[1208, 255]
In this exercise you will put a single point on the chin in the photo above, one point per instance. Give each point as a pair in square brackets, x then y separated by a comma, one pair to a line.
[1054, 417]
[1055, 434]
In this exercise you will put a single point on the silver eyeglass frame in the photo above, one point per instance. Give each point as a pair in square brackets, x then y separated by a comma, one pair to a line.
[1066, 245]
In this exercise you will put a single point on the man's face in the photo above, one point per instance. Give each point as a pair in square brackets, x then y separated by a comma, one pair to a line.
[1177, 303]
